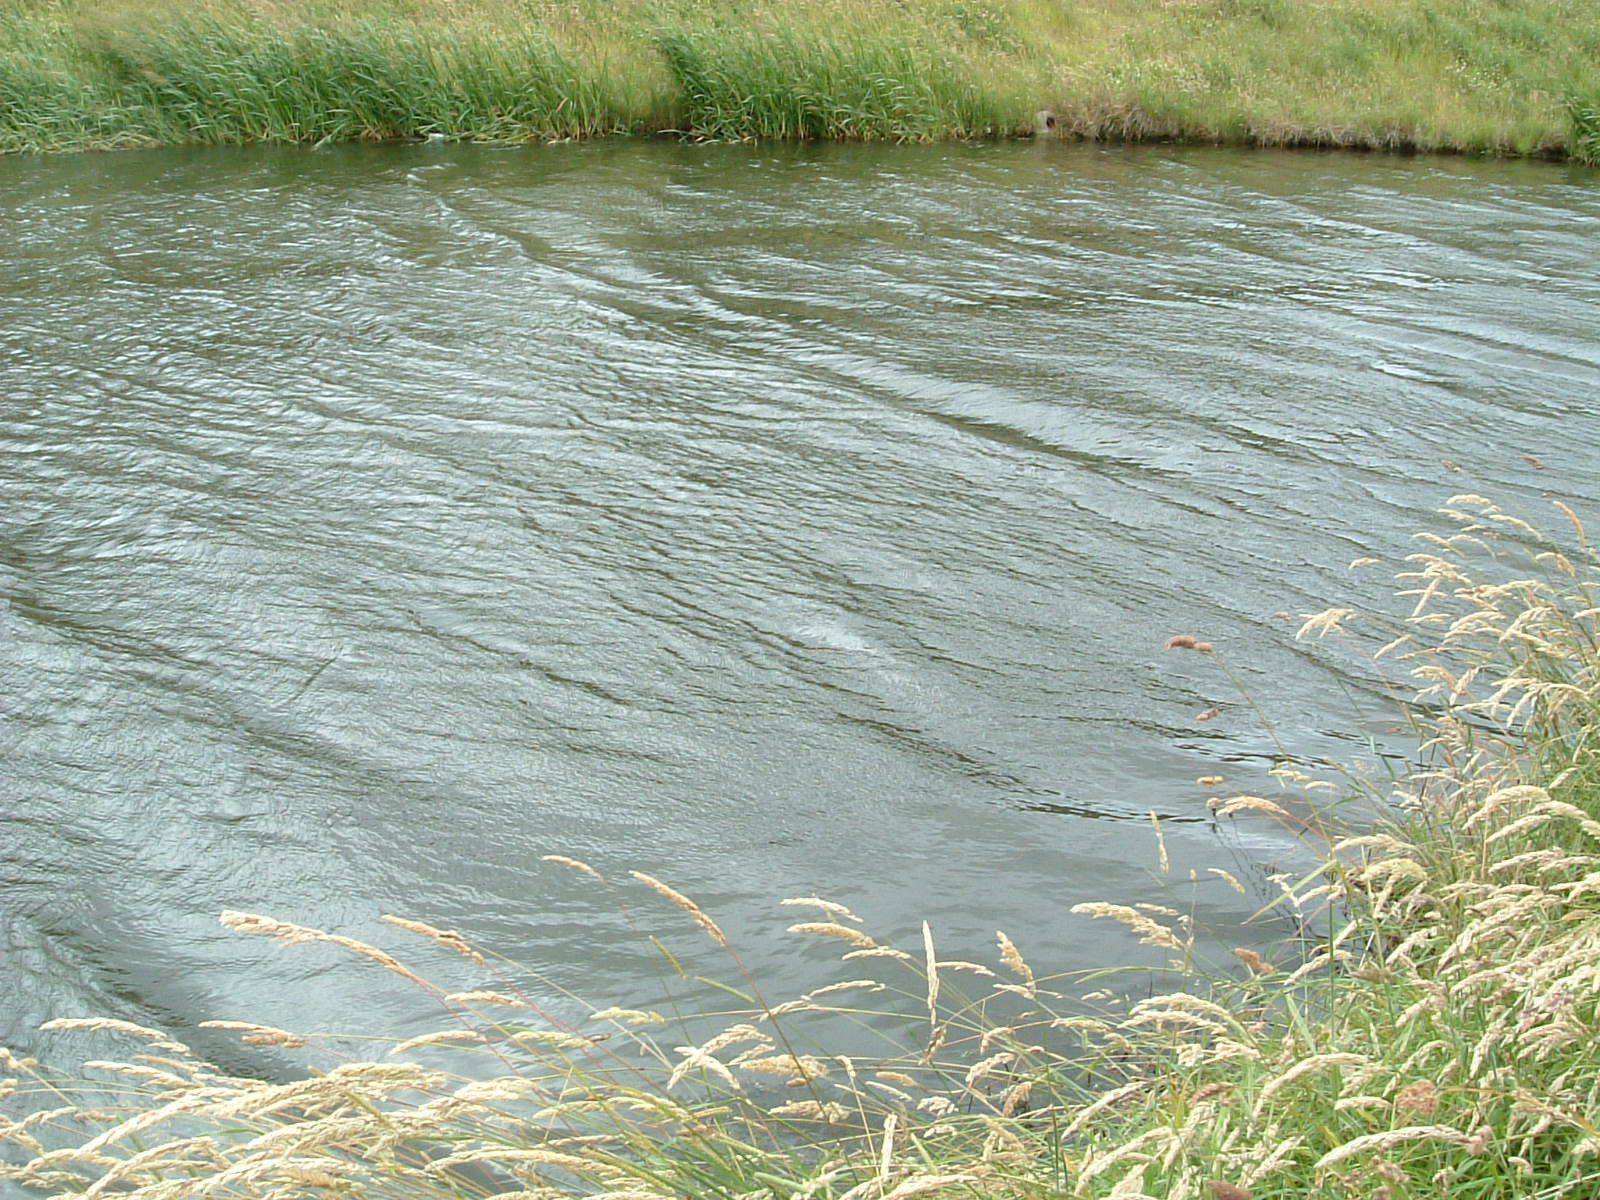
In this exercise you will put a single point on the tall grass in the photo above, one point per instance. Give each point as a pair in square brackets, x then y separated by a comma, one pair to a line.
[869, 88]
[1585, 114]
[367, 81]
[1432, 1032]
[1403, 74]
[1460, 75]
[203, 79]
[54, 94]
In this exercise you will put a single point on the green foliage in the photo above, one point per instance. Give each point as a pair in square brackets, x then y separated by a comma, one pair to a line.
[738, 85]
[1585, 114]
[203, 80]
[1416, 74]
[53, 94]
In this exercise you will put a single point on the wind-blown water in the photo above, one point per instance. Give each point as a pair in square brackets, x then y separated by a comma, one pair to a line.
[777, 521]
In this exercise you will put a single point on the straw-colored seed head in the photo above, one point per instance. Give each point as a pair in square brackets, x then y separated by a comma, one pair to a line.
[1012, 958]
[1184, 1001]
[147, 1075]
[245, 922]
[844, 985]
[1577, 525]
[504, 1087]
[1323, 623]
[290, 934]
[833, 929]
[1015, 1097]
[629, 1016]
[959, 964]
[311, 1177]
[486, 998]
[879, 1085]
[556, 1039]
[898, 1077]
[1227, 877]
[1421, 1097]
[828, 906]
[812, 1110]
[448, 938]
[1254, 961]
[259, 1035]
[513, 1154]
[1161, 842]
[572, 864]
[1174, 1019]
[1152, 933]
[1217, 1050]
[702, 918]
[924, 1185]
[108, 1025]
[802, 1065]
[988, 1066]
[1300, 1070]
[441, 1037]
[1236, 804]
[1379, 1142]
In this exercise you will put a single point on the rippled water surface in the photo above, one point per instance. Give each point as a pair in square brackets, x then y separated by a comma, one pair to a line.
[775, 521]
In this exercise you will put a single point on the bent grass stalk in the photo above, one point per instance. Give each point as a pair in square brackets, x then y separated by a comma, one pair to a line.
[1441, 1036]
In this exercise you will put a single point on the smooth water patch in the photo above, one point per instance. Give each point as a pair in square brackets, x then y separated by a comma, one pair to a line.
[778, 521]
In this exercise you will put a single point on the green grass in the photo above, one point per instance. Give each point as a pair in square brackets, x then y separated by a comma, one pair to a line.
[1433, 1030]
[781, 85]
[1474, 76]
[202, 79]
[1585, 114]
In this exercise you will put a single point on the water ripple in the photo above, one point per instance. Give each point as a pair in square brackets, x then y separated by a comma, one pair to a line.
[775, 520]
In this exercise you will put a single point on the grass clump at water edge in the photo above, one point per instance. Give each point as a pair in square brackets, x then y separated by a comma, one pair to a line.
[784, 85]
[1431, 1032]
[201, 78]
[1585, 113]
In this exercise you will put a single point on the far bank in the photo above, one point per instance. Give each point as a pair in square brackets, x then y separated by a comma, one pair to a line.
[1455, 76]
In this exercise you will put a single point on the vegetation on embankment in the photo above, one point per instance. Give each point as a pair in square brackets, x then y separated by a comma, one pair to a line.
[1432, 1030]
[1456, 75]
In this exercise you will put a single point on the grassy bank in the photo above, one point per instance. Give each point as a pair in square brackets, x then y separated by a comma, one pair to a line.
[1429, 1031]
[1456, 75]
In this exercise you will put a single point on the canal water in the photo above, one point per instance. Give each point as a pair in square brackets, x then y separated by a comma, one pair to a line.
[778, 521]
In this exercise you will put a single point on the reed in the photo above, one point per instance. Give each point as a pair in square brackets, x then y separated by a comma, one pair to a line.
[1451, 75]
[1585, 114]
[201, 79]
[866, 88]
[1430, 1031]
